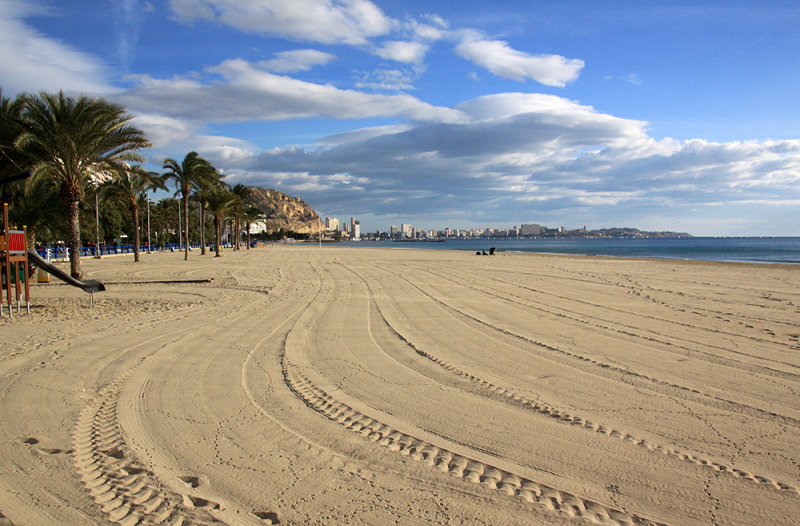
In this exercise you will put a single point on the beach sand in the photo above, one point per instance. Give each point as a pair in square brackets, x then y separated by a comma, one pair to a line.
[309, 385]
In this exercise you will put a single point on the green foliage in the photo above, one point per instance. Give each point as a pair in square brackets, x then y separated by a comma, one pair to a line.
[192, 174]
[69, 143]
[281, 233]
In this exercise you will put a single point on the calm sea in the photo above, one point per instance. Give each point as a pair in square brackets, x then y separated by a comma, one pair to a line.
[747, 249]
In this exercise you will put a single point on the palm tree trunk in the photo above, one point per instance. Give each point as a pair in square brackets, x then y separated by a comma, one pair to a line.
[202, 229]
[135, 211]
[186, 225]
[74, 238]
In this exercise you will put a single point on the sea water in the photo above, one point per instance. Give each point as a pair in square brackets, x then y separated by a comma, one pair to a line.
[744, 249]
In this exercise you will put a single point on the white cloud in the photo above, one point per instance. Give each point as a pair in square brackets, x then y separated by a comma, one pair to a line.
[500, 59]
[403, 51]
[521, 152]
[163, 131]
[247, 93]
[436, 19]
[32, 62]
[325, 21]
[223, 151]
[297, 60]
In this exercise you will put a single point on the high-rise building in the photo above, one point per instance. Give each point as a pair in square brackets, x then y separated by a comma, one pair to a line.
[357, 230]
[405, 230]
[531, 230]
[393, 231]
[331, 223]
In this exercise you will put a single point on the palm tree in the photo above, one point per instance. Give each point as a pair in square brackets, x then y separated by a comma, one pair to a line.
[12, 161]
[200, 196]
[242, 195]
[71, 141]
[189, 175]
[218, 202]
[129, 187]
[28, 206]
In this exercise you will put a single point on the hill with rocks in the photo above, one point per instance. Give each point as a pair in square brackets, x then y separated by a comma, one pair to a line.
[284, 211]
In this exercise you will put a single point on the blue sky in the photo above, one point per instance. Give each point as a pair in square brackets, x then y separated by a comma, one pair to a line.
[658, 115]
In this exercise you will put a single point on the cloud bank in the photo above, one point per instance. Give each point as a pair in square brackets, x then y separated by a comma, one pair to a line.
[246, 92]
[524, 156]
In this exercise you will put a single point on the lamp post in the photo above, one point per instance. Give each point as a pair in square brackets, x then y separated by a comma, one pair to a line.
[97, 221]
[148, 225]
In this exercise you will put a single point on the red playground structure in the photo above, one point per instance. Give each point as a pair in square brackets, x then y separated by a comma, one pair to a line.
[14, 252]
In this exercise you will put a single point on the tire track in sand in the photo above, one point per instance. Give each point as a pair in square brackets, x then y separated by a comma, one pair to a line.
[548, 410]
[567, 418]
[126, 492]
[448, 461]
[453, 463]
[650, 382]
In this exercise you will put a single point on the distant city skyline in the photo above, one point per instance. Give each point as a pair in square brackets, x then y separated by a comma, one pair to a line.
[408, 230]
[660, 116]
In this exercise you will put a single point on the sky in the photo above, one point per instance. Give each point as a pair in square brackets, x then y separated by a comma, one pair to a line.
[680, 116]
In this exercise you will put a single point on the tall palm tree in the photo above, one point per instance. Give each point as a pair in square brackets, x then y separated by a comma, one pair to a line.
[72, 140]
[201, 196]
[32, 205]
[243, 195]
[12, 161]
[218, 202]
[189, 175]
[129, 187]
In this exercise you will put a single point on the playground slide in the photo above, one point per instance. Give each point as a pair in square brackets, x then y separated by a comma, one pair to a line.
[90, 285]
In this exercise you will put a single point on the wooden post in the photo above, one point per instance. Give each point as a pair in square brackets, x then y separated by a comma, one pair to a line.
[7, 258]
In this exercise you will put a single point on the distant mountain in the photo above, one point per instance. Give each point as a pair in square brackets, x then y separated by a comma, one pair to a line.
[285, 211]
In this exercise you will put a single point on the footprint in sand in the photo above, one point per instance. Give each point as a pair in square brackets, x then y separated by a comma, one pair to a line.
[114, 453]
[192, 482]
[190, 501]
[269, 517]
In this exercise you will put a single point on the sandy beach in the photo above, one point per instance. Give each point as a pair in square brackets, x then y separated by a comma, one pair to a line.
[307, 385]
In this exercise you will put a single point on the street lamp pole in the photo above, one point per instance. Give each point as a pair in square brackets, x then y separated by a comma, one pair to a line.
[148, 225]
[97, 222]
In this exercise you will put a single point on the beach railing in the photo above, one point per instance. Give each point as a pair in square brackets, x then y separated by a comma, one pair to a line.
[62, 253]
